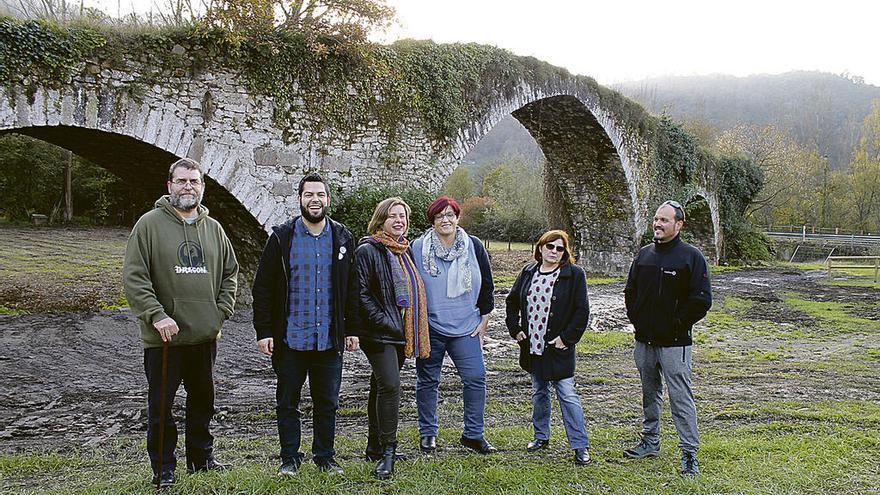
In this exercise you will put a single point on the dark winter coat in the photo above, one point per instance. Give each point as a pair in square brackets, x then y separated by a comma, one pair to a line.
[568, 317]
[379, 318]
[667, 291]
[271, 292]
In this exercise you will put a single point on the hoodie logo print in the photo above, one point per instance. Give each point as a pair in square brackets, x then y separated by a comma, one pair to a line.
[191, 258]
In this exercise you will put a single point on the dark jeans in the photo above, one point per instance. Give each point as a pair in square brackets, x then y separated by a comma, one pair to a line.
[324, 371]
[383, 405]
[194, 366]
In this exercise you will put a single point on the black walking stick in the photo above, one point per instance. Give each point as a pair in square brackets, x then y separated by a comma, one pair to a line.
[163, 390]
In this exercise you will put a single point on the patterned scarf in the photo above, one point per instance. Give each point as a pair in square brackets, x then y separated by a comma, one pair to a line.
[459, 280]
[409, 293]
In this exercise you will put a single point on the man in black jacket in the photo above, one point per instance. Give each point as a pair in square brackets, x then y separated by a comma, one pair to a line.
[667, 291]
[302, 291]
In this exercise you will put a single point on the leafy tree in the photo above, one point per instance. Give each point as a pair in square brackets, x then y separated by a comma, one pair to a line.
[348, 21]
[864, 196]
[787, 166]
[31, 181]
[30, 176]
[473, 213]
[355, 208]
[459, 185]
[516, 211]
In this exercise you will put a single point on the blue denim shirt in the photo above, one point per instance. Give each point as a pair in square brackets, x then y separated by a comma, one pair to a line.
[308, 321]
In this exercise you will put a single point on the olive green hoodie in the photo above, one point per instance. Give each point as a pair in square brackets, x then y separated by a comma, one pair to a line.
[186, 272]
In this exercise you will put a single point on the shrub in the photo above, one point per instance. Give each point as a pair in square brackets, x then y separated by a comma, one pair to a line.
[355, 208]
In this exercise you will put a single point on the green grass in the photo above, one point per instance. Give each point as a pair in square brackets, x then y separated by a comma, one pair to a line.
[10, 311]
[852, 413]
[508, 280]
[853, 282]
[604, 342]
[803, 454]
[716, 269]
[834, 316]
[828, 318]
[604, 280]
[493, 245]
[504, 281]
[120, 303]
[730, 320]
[856, 277]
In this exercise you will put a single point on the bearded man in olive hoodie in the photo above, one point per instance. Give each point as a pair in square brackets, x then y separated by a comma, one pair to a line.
[180, 280]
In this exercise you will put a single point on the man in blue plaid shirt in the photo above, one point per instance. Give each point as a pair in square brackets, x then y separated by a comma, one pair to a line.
[302, 293]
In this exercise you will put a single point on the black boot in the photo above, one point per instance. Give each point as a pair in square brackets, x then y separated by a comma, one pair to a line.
[385, 468]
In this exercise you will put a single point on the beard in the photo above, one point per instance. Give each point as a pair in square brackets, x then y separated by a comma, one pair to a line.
[313, 218]
[186, 201]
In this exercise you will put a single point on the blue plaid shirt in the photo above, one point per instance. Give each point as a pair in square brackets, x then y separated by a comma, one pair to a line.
[311, 258]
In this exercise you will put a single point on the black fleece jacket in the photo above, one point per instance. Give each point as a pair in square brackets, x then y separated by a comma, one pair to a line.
[271, 292]
[667, 291]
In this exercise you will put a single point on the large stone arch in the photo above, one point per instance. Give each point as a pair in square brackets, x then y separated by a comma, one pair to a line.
[591, 184]
[584, 169]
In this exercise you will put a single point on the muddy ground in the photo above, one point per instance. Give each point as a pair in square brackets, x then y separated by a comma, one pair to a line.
[75, 379]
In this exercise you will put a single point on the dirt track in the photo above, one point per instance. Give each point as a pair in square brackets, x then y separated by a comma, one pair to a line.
[76, 379]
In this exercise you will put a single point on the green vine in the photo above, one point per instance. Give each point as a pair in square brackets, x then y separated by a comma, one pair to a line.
[36, 51]
[352, 87]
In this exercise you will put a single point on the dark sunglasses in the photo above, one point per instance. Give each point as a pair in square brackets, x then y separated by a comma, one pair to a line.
[555, 247]
[676, 205]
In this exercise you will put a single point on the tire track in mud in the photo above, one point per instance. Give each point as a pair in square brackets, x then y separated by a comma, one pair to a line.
[74, 379]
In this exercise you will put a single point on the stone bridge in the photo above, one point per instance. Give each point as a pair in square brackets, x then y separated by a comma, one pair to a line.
[601, 148]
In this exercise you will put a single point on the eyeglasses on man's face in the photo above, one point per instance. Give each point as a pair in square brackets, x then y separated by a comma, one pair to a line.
[449, 215]
[555, 247]
[183, 182]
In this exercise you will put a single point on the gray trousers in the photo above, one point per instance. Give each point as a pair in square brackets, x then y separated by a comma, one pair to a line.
[675, 365]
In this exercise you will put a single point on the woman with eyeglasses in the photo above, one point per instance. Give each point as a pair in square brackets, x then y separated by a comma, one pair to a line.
[547, 313]
[393, 322]
[458, 282]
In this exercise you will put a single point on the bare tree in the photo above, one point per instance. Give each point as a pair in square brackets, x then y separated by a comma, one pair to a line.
[59, 11]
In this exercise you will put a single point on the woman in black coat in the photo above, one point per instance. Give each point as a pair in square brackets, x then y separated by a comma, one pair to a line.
[547, 313]
[393, 322]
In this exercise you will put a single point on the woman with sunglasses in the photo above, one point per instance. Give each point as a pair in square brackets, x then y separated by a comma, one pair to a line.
[458, 281]
[547, 313]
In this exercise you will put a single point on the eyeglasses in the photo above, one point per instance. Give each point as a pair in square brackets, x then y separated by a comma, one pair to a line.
[183, 182]
[555, 247]
[676, 205]
[449, 215]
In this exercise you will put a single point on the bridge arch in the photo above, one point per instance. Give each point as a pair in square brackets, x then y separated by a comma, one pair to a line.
[702, 225]
[590, 183]
[138, 162]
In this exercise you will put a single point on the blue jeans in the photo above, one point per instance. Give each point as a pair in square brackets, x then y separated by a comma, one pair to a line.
[467, 355]
[569, 403]
[324, 371]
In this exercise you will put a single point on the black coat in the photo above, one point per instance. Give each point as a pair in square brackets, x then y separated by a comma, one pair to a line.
[272, 294]
[667, 291]
[568, 318]
[379, 318]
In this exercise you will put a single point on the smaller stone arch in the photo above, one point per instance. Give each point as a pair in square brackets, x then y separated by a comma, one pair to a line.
[702, 225]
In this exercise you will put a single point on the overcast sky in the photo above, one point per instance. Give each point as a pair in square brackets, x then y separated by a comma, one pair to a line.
[619, 40]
